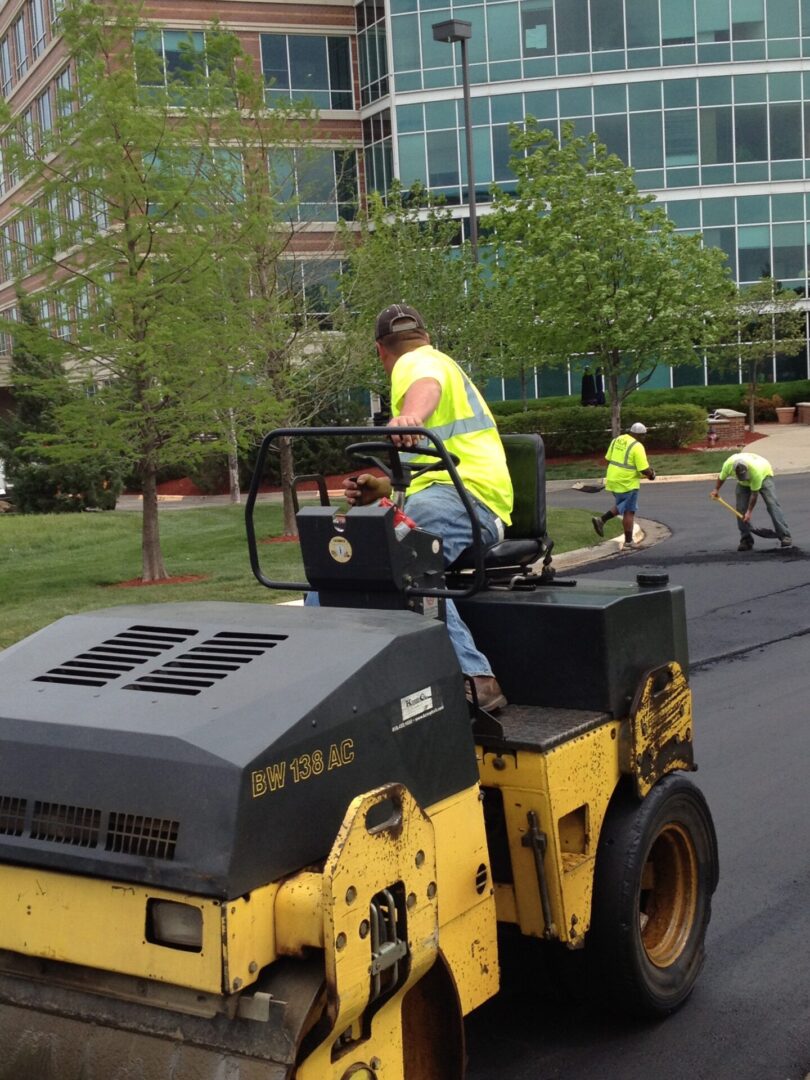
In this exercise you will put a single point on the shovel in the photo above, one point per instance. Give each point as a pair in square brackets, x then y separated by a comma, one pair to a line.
[768, 534]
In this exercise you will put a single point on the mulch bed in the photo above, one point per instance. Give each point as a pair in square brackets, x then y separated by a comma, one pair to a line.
[135, 583]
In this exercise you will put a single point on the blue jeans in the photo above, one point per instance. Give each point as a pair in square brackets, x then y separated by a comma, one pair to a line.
[438, 509]
[768, 493]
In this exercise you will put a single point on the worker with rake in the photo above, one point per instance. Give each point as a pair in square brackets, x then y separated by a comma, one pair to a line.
[754, 476]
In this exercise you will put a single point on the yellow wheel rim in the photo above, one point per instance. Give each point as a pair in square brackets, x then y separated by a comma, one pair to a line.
[669, 894]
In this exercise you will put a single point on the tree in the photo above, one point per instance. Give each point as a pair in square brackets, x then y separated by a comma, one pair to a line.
[407, 250]
[131, 238]
[584, 264]
[767, 319]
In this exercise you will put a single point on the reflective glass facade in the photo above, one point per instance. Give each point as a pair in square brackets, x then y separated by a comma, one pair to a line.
[708, 100]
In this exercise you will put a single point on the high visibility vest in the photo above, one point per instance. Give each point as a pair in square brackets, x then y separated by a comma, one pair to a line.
[627, 460]
[759, 468]
[465, 425]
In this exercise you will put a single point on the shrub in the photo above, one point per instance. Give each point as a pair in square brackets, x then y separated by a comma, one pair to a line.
[59, 489]
[578, 430]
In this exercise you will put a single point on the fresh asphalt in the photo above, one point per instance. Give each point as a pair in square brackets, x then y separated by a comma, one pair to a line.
[749, 622]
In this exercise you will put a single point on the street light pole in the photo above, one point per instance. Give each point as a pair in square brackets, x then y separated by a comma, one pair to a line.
[451, 31]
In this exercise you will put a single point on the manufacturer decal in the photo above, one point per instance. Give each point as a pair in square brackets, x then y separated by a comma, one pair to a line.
[340, 549]
[417, 706]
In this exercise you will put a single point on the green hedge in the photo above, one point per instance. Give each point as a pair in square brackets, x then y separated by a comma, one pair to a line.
[579, 430]
[64, 489]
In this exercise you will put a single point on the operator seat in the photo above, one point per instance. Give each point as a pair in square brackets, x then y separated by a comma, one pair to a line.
[525, 540]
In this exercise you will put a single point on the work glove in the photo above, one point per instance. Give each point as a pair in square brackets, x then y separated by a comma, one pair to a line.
[651, 474]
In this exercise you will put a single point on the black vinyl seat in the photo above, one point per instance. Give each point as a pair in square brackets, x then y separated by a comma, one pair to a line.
[525, 540]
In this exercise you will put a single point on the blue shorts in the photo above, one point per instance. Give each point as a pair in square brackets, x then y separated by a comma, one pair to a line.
[626, 501]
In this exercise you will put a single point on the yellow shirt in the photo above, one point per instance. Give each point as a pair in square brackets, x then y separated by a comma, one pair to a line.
[463, 422]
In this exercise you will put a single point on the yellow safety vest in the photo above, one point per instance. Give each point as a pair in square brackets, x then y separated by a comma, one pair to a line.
[626, 460]
[463, 422]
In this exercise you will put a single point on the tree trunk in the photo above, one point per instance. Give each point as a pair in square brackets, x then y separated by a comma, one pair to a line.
[287, 474]
[153, 568]
[752, 397]
[615, 404]
[523, 386]
[233, 462]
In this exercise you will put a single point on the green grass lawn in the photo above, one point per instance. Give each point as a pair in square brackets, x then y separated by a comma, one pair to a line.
[57, 564]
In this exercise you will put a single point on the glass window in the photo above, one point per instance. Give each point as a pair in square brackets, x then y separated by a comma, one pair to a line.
[442, 154]
[326, 184]
[412, 159]
[646, 141]
[713, 20]
[20, 46]
[410, 118]
[406, 43]
[37, 17]
[715, 91]
[788, 252]
[612, 131]
[541, 103]
[677, 22]
[785, 86]
[751, 132]
[181, 52]
[440, 114]
[786, 131]
[747, 20]
[787, 207]
[6, 73]
[749, 88]
[610, 99]
[752, 209]
[716, 135]
[679, 93]
[718, 211]
[44, 112]
[537, 20]
[685, 213]
[576, 102]
[508, 108]
[607, 25]
[572, 26]
[308, 67]
[643, 28]
[681, 137]
[644, 96]
[503, 32]
[754, 244]
[783, 18]
[64, 100]
[501, 153]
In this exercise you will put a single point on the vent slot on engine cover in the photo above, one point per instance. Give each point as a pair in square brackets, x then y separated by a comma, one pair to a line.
[134, 834]
[117, 655]
[12, 815]
[61, 824]
[206, 663]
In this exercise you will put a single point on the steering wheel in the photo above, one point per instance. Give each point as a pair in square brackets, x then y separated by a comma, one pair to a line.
[399, 472]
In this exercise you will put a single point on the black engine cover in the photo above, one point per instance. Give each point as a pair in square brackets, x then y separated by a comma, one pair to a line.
[584, 647]
[214, 747]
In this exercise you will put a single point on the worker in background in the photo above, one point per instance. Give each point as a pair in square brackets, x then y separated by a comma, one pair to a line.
[627, 463]
[430, 390]
[754, 476]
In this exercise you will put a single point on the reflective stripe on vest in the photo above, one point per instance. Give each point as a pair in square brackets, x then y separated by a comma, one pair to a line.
[623, 464]
[479, 421]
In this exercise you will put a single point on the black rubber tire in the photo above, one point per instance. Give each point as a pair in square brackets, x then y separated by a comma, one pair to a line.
[656, 870]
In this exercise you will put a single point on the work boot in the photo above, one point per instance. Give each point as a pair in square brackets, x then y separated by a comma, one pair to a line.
[786, 542]
[598, 525]
[746, 544]
[487, 690]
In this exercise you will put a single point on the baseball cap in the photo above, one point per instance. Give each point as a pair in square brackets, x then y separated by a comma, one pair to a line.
[396, 318]
[741, 470]
[638, 429]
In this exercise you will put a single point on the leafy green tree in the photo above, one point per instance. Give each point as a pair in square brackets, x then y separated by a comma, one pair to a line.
[767, 320]
[133, 240]
[407, 250]
[585, 265]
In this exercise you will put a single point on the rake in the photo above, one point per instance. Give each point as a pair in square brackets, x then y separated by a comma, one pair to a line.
[768, 534]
